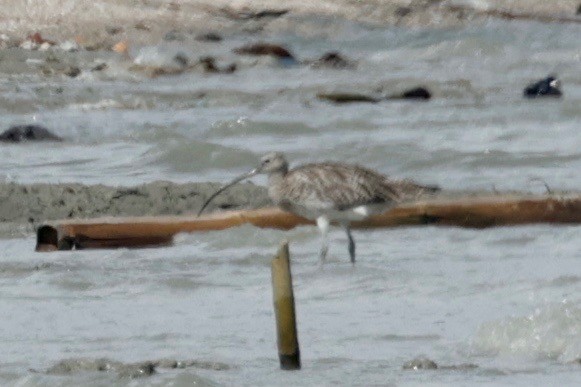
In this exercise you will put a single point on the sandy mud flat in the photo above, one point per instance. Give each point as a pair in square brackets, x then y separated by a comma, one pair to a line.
[24, 206]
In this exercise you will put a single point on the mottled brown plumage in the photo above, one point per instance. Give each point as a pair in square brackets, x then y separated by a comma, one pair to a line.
[337, 186]
[330, 192]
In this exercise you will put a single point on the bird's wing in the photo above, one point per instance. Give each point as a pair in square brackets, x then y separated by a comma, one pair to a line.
[337, 186]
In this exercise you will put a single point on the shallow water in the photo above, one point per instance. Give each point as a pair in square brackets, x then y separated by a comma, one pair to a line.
[505, 299]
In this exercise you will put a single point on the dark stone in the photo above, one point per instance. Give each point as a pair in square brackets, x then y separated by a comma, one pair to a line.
[72, 71]
[417, 93]
[181, 59]
[420, 363]
[100, 67]
[246, 14]
[209, 37]
[209, 65]
[579, 9]
[229, 69]
[333, 60]
[347, 97]
[21, 133]
[273, 13]
[548, 87]
[259, 49]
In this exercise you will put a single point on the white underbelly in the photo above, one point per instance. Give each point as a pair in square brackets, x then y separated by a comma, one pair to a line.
[350, 214]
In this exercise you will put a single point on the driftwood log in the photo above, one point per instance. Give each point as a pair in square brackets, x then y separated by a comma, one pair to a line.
[478, 211]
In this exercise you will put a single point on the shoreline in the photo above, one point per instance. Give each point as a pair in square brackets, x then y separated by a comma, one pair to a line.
[103, 23]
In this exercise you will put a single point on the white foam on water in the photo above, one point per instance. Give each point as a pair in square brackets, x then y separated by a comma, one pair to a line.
[550, 331]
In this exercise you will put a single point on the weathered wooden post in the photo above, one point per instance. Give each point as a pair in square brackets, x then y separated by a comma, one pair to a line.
[284, 310]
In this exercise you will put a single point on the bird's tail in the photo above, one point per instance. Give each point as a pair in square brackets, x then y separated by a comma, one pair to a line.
[410, 190]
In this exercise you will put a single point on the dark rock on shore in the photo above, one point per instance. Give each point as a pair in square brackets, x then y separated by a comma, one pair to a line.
[419, 92]
[99, 67]
[209, 65]
[333, 60]
[420, 363]
[248, 14]
[72, 71]
[260, 49]
[341, 98]
[21, 133]
[547, 87]
[273, 13]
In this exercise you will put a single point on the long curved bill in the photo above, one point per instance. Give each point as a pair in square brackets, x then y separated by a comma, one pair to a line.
[224, 188]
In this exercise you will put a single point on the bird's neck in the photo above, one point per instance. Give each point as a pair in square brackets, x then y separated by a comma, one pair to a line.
[275, 182]
[276, 178]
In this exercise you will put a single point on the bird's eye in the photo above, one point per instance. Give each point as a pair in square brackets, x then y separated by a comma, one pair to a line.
[265, 161]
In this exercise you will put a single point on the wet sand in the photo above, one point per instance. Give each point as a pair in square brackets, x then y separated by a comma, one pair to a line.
[25, 206]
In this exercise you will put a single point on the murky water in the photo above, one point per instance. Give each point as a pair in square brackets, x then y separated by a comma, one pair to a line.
[505, 299]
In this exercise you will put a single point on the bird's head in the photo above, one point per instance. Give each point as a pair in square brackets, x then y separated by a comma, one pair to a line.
[271, 163]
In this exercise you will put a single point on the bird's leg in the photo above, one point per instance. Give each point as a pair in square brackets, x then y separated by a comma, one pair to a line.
[347, 229]
[323, 224]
